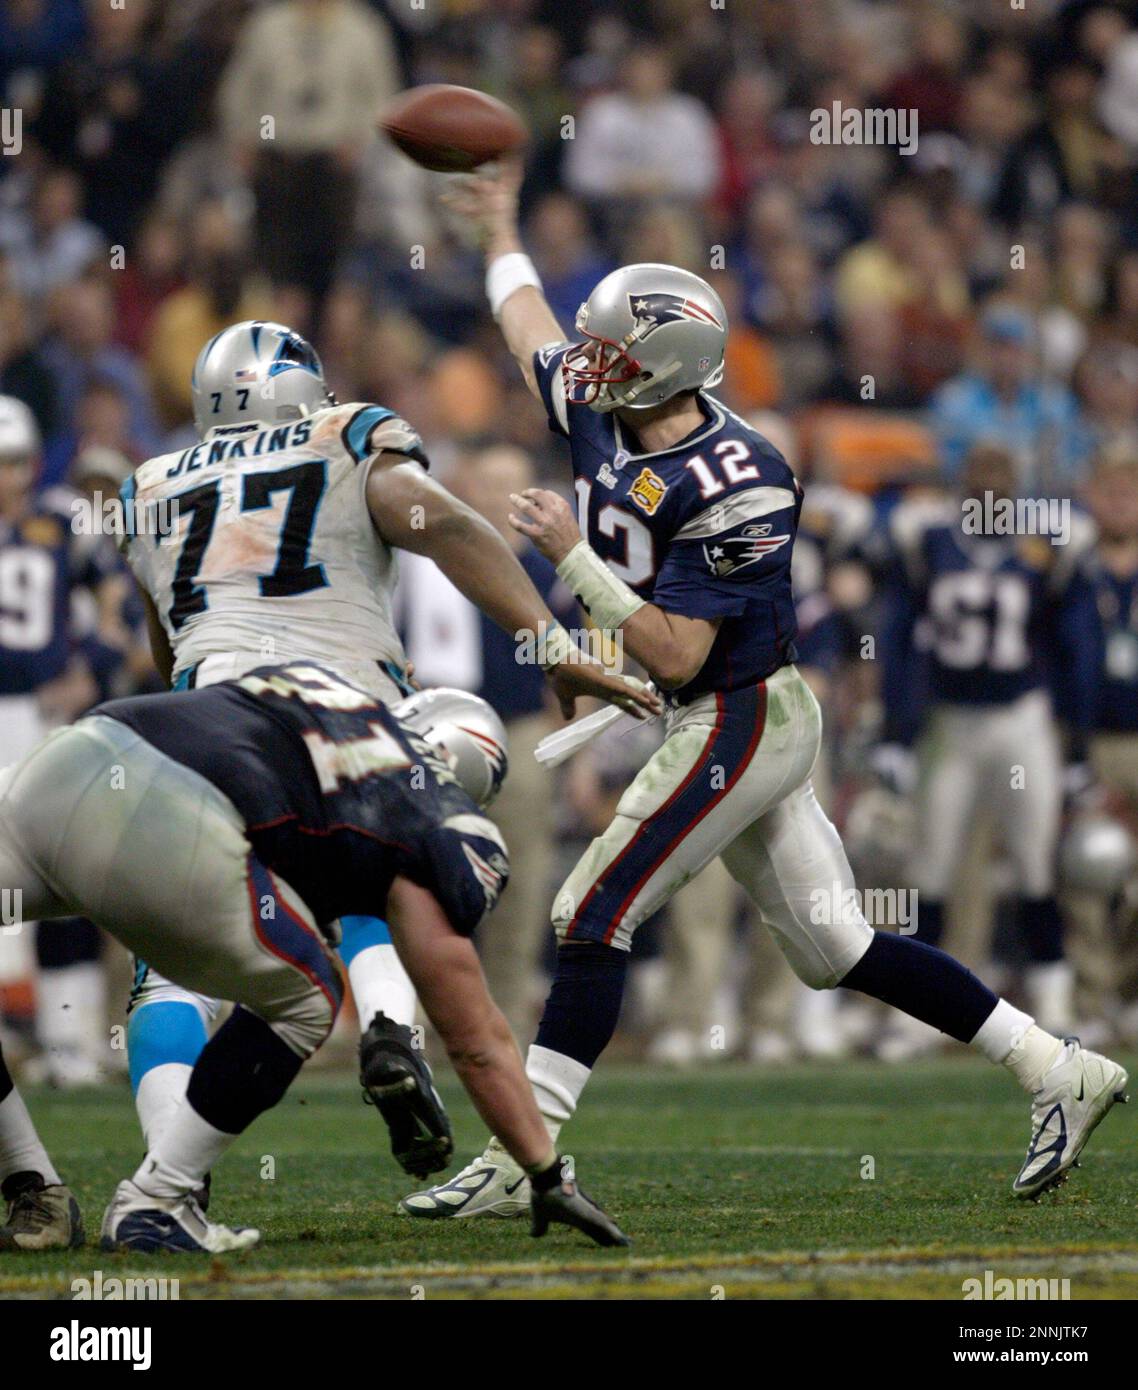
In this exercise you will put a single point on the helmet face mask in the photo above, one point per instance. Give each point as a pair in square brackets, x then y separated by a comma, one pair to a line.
[257, 373]
[649, 333]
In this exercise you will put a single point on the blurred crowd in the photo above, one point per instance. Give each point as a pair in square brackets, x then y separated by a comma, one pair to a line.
[184, 165]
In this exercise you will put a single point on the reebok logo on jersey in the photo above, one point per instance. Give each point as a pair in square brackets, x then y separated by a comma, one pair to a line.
[727, 554]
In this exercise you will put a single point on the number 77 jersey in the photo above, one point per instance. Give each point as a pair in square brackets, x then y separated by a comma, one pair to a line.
[704, 529]
[256, 545]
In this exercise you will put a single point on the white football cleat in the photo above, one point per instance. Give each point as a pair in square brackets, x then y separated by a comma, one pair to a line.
[1074, 1096]
[136, 1221]
[493, 1185]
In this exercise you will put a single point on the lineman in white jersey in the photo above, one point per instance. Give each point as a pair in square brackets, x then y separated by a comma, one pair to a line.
[271, 541]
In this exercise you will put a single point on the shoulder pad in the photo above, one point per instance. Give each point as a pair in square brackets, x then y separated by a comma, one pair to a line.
[368, 429]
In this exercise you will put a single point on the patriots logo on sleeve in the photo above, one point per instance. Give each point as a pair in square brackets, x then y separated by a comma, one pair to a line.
[728, 554]
[652, 311]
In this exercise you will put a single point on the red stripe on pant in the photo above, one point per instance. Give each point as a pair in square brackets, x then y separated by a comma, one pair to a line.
[660, 812]
[752, 744]
[274, 949]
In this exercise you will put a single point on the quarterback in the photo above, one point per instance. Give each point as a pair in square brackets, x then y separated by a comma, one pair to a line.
[286, 517]
[685, 524]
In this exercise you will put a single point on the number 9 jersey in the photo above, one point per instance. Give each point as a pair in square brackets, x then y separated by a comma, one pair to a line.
[256, 546]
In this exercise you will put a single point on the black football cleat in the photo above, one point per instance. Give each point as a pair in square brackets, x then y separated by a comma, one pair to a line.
[397, 1080]
[566, 1204]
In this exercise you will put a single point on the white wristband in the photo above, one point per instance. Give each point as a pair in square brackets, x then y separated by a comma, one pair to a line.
[508, 273]
[608, 600]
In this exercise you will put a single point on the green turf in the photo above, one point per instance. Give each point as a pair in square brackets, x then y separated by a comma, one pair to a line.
[729, 1179]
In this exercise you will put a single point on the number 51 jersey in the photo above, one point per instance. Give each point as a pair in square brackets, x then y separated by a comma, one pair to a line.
[256, 545]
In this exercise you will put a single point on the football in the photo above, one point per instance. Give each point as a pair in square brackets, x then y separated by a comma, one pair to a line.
[451, 129]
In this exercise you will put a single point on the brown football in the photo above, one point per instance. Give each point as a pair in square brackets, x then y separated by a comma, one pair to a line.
[451, 129]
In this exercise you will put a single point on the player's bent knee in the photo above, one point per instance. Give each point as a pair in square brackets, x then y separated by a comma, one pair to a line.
[304, 1022]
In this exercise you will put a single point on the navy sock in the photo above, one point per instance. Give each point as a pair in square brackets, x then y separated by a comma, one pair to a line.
[243, 1071]
[68, 941]
[583, 1007]
[924, 982]
[930, 921]
[1042, 927]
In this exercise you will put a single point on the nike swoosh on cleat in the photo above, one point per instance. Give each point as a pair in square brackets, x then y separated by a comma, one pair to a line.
[1082, 1087]
[512, 1188]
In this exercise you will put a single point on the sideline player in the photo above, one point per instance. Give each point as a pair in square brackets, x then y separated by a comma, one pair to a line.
[171, 820]
[55, 581]
[687, 523]
[1007, 641]
[273, 540]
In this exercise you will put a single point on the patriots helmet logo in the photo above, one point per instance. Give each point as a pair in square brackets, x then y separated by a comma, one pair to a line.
[727, 554]
[652, 311]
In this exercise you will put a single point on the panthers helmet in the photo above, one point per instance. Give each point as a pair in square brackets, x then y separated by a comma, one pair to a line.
[1098, 855]
[258, 374]
[655, 330]
[466, 731]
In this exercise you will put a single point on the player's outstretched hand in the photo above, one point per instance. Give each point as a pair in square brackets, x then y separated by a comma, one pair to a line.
[566, 1205]
[584, 677]
[488, 200]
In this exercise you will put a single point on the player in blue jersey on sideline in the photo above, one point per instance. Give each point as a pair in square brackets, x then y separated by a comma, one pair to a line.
[989, 640]
[682, 540]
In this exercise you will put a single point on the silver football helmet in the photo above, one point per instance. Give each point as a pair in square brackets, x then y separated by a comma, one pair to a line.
[1098, 855]
[466, 731]
[257, 373]
[651, 331]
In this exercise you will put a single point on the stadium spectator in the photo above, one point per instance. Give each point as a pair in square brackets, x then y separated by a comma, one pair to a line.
[645, 141]
[317, 71]
[567, 258]
[219, 290]
[52, 244]
[80, 350]
[1000, 401]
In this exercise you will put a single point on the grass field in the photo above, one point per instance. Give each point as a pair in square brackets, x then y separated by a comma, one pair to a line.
[733, 1182]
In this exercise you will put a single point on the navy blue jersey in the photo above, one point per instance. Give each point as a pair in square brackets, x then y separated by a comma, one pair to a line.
[337, 796]
[44, 564]
[973, 620]
[704, 529]
[1116, 597]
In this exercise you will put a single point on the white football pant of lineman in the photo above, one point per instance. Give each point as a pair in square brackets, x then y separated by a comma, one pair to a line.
[97, 822]
[379, 982]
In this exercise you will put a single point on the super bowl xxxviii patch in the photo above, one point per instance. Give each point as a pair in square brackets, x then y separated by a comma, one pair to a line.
[648, 491]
